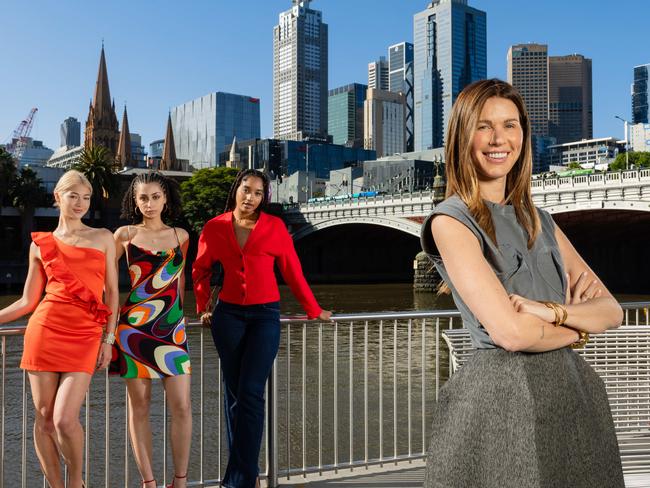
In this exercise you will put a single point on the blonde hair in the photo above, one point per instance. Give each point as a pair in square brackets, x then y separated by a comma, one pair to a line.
[69, 179]
[460, 170]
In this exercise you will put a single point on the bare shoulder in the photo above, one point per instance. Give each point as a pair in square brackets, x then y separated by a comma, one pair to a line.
[34, 252]
[102, 237]
[441, 224]
[122, 233]
[183, 235]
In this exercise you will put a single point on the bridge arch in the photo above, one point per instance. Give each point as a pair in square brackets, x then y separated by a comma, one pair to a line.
[354, 250]
[395, 223]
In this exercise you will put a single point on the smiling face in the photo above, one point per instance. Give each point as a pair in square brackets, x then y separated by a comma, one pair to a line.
[150, 200]
[74, 202]
[250, 194]
[497, 139]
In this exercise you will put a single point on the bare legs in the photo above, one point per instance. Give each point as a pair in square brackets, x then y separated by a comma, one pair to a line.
[57, 430]
[178, 400]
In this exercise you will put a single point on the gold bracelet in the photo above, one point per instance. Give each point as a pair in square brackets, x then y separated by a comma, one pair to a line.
[553, 306]
[582, 340]
[565, 314]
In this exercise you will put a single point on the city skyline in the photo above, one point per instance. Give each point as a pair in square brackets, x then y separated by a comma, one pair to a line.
[152, 68]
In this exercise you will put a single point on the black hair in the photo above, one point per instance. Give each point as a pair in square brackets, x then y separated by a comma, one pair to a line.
[169, 187]
[231, 201]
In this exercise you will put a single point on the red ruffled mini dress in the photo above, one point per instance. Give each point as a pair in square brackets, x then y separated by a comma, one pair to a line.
[65, 331]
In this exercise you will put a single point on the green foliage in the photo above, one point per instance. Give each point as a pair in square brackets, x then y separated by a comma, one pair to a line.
[574, 165]
[98, 166]
[204, 194]
[27, 191]
[640, 159]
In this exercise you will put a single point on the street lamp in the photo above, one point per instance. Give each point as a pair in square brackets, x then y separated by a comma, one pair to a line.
[627, 147]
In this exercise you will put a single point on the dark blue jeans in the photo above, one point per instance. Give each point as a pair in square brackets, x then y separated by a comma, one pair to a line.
[247, 338]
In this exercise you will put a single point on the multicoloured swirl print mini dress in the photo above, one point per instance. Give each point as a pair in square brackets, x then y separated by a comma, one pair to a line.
[151, 341]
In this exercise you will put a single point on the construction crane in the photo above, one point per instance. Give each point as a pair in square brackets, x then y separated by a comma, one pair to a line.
[20, 137]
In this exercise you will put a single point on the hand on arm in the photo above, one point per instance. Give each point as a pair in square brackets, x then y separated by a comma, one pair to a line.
[590, 306]
[485, 296]
[111, 298]
[32, 291]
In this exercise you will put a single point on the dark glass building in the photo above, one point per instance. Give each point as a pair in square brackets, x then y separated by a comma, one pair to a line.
[640, 107]
[450, 52]
[345, 114]
[284, 158]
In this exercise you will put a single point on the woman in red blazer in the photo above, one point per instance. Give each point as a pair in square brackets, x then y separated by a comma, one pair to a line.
[246, 321]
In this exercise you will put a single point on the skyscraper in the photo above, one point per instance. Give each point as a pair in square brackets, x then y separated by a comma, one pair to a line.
[300, 73]
[528, 72]
[640, 106]
[400, 80]
[384, 122]
[345, 114]
[378, 74]
[449, 54]
[71, 132]
[569, 98]
[203, 127]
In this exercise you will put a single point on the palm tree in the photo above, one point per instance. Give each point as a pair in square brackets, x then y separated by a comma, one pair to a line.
[99, 167]
[27, 193]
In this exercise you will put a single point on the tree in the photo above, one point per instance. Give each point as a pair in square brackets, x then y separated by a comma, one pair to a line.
[27, 193]
[637, 159]
[8, 175]
[574, 165]
[98, 166]
[204, 194]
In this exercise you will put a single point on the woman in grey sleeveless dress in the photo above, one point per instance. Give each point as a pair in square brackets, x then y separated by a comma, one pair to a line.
[526, 411]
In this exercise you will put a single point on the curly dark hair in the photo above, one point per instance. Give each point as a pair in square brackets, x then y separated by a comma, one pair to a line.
[170, 188]
[231, 201]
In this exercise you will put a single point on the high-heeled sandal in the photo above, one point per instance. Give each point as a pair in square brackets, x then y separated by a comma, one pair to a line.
[147, 482]
[175, 478]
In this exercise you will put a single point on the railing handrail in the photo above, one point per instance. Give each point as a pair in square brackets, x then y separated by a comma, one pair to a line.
[9, 330]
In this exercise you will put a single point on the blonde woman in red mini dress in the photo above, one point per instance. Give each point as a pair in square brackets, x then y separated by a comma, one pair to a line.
[70, 333]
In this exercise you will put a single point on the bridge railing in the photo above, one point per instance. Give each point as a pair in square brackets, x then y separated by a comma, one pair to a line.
[537, 184]
[348, 394]
[598, 179]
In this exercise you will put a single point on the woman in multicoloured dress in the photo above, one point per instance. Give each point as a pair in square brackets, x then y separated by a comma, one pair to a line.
[151, 340]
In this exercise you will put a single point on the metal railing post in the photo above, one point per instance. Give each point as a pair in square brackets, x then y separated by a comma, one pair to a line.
[272, 429]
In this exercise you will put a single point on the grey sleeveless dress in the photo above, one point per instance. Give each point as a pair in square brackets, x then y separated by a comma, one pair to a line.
[519, 420]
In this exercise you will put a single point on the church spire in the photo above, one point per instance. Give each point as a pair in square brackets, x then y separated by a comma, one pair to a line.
[123, 156]
[169, 161]
[101, 125]
[102, 98]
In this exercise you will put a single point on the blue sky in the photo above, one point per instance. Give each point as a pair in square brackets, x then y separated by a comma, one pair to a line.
[164, 53]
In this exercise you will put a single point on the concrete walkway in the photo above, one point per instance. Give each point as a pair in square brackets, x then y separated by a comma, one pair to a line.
[401, 476]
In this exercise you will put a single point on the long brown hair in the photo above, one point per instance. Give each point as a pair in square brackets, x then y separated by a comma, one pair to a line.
[231, 201]
[460, 170]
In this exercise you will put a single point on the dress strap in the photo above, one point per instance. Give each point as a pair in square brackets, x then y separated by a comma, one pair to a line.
[128, 245]
[177, 239]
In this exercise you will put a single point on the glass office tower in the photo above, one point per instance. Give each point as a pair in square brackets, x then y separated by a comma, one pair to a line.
[204, 126]
[450, 52]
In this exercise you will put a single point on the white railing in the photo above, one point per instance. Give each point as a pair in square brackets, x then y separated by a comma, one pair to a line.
[349, 394]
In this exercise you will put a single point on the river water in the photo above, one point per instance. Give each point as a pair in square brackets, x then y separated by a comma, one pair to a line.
[391, 372]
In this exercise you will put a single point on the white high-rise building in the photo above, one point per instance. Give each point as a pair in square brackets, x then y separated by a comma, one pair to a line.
[384, 121]
[300, 73]
[378, 74]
